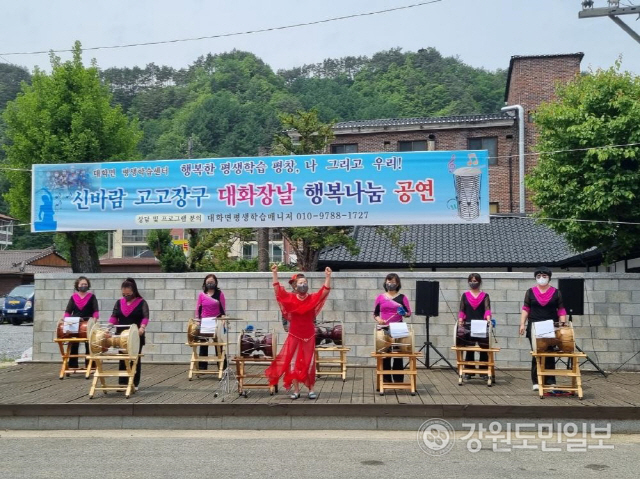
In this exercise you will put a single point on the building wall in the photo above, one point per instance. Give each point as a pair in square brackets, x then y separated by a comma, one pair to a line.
[609, 333]
[503, 177]
[534, 81]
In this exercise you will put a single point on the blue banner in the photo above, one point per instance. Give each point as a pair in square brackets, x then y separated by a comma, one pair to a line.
[315, 190]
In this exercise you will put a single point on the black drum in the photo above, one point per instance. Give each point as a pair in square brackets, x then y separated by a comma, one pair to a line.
[326, 336]
[255, 345]
[463, 339]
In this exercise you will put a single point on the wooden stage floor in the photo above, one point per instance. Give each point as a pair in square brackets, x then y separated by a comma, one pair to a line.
[38, 384]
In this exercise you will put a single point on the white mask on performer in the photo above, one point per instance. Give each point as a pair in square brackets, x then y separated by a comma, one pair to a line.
[542, 281]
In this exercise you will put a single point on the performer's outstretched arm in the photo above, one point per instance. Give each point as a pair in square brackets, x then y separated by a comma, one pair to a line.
[327, 277]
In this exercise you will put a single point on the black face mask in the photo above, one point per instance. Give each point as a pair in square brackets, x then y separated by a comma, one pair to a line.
[83, 289]
[302, 288]
[391, 286]
[211, 286]
[474, 285]
[128, 297]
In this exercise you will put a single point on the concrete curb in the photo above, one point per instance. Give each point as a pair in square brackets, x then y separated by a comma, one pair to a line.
[304, 416]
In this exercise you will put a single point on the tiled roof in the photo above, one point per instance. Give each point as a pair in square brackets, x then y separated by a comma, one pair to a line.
[129, 261]
[19, 261]
[505, 241]
[386, 122]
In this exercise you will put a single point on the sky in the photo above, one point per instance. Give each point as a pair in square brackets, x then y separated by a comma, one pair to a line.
[482, 33]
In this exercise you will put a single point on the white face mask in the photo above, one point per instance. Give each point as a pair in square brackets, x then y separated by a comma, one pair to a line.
[542, 281]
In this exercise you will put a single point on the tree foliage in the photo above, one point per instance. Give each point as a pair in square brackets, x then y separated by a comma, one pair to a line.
[210, 252]
[171, 256]
[312, 137]
[64, 117]
[576, 178]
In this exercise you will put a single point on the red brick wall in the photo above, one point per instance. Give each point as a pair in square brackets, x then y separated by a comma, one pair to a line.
[456, 139]
[534, 81]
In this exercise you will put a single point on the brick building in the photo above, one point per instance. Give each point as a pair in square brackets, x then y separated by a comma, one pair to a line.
[531, 80]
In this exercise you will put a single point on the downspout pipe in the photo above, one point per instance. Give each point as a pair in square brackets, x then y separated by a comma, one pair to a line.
[520, 111]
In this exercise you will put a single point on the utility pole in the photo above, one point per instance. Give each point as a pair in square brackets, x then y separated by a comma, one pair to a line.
[613, 11]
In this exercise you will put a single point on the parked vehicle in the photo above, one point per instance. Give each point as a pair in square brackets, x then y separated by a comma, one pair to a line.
[18, 305]
[2, 318]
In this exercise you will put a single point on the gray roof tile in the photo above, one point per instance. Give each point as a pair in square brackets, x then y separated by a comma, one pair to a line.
[421, 121]
[503, 241]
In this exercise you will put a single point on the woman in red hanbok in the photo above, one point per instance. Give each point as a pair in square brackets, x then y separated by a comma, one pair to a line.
[296, 360]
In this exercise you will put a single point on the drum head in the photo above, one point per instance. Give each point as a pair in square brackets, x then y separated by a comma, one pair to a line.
[91, 323]
[336, 335]
[133, 340]
[268, 345]
[192, 327]
[382, 341]
[99, 340]
[566, 340]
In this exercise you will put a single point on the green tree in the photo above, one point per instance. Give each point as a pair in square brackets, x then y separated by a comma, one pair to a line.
[312, 137]
[171, 256]
[64, 117]
[578, 180]
[210, 250]
[11, 78]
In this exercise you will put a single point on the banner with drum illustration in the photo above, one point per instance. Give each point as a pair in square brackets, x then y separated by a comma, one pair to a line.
[391, 188]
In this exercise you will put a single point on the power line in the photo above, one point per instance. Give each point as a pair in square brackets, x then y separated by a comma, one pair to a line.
[224, 35]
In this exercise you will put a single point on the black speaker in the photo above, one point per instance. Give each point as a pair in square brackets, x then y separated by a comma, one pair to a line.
[427, 293]
[572, 290]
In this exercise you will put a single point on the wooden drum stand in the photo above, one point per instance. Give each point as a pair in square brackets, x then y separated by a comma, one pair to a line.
[255, 349]
[464, 343]
[195, 339]
[388, 347]
[105, 346]
[562, 346]
[330, 341]
[67, 334]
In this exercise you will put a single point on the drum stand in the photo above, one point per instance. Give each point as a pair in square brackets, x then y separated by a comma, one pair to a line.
[65, 351]
[218, 359]
[326, 360]
[228, 376]
[587, 358]
[429, 345]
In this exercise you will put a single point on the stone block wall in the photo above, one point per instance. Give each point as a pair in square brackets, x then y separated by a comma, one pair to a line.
[609, 331]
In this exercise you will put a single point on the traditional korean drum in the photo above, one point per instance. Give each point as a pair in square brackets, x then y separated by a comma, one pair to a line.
[257, 345]
[385, 343]
[563, 340]
[71, 329]
[195, 333]
[462, 336]
[326, 336]
[102, 339]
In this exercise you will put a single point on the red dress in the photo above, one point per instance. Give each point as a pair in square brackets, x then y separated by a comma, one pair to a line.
[296, 360]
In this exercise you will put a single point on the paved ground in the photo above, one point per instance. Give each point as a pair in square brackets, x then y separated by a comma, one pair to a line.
[14, 340]
[308, 454]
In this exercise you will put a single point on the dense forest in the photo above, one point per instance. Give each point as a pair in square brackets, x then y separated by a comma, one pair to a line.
[228, 104]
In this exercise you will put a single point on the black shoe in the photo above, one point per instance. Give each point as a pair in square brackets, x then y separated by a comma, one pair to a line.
[469, 376]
